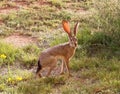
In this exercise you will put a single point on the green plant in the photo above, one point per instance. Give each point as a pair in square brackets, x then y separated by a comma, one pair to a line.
[2, 87]
[12, 79]
[5, 31]
[9, 53]
[29, 60]
[5, 4]
[43, 85]
[29, 55]
[58, 40]
[57, 3]
[102, 32]
[107, 22]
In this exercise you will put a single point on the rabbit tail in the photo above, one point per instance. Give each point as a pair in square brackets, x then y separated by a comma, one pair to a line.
[39, 66]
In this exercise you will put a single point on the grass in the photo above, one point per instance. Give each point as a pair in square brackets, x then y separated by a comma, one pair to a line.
[5, 4]
[13, 78]
[95, 66]
[28, 20]
[9, 51]
[29, 55]
[58, 4]
[43, 85]
[102, 74]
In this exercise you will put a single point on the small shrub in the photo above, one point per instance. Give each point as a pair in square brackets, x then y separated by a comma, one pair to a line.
[29, 55]
[2, 87]
[9, 51]
[105, 25]
[5, 31]
[107, 21]
[29, 60]
[57, 3]
[31, 49]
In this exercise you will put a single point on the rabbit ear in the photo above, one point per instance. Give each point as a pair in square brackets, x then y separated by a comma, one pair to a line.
[66, 26]
[76, 28]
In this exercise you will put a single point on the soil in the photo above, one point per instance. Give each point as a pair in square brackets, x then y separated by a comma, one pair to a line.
[7, 8]
[19, 40]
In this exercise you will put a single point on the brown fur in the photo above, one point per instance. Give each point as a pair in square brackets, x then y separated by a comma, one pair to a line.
[49, 57]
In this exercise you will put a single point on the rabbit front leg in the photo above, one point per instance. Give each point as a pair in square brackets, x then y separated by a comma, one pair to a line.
[67, 66]
[62, 67]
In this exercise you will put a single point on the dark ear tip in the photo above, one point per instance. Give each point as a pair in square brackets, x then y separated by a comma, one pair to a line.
[76, 27]
[77, 22]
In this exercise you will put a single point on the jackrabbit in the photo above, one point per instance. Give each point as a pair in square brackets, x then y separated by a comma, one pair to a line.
[48, 58]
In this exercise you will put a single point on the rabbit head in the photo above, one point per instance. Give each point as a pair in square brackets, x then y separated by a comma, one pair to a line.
[71, 34]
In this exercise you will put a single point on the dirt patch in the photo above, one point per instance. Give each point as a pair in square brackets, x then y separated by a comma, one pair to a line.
[1, 21]
[8, 9]
[21, 3]
[17, 5]
[19, 40]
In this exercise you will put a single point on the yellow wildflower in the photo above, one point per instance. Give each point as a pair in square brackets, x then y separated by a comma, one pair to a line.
[19, 78]
[3, 56]
[9, 79]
